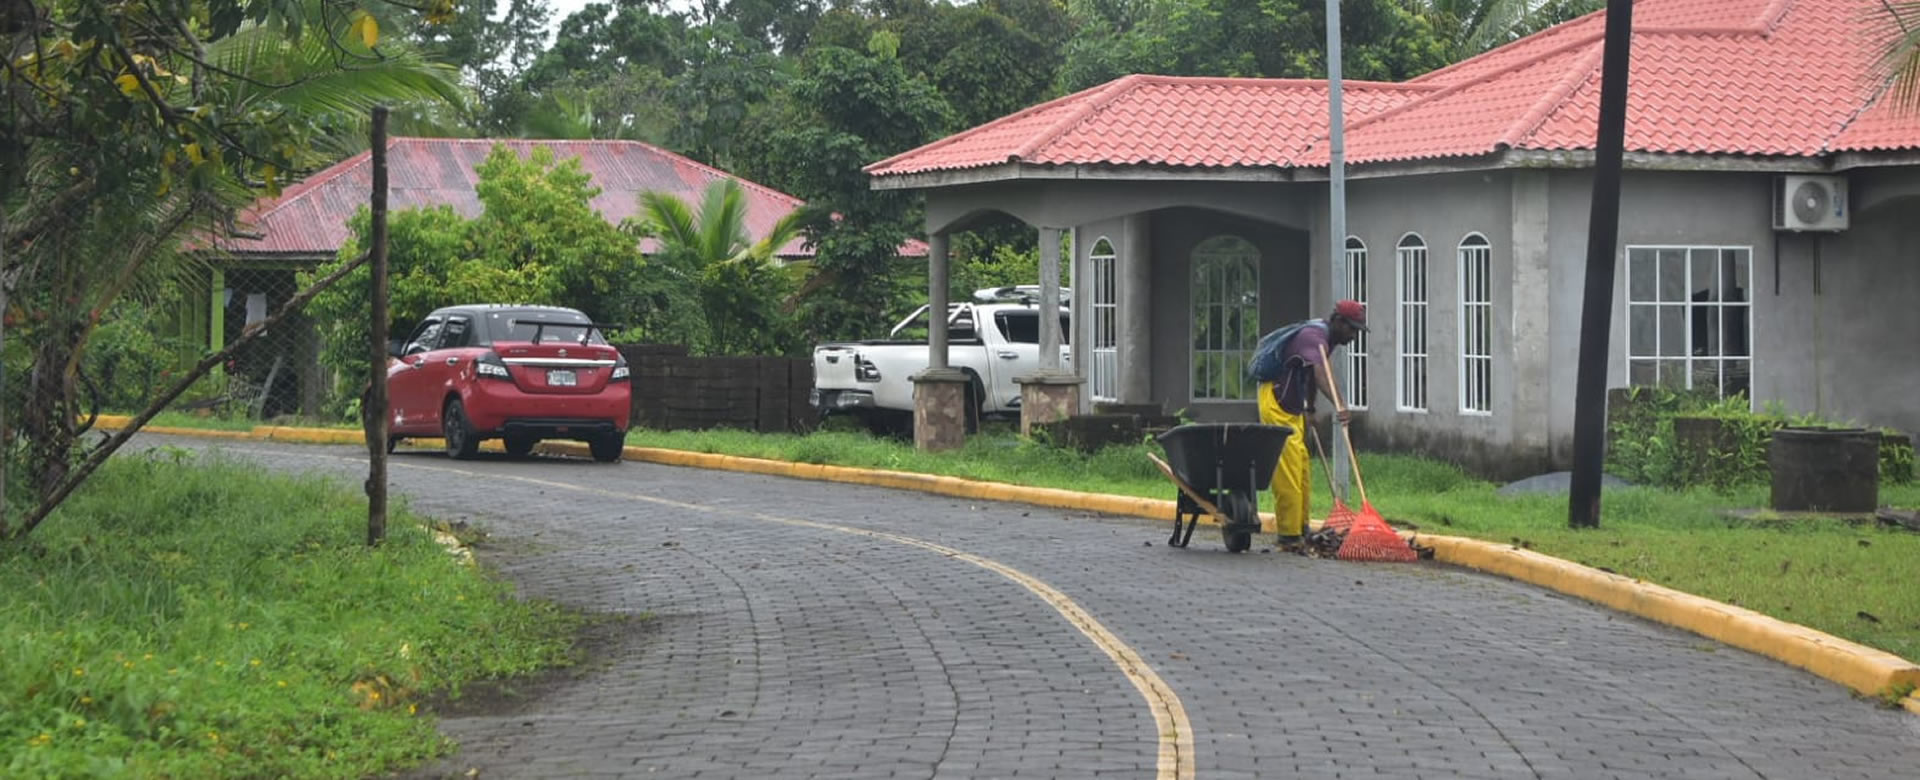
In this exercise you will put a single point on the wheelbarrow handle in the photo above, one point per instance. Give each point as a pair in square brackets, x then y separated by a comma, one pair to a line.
[1189, 491]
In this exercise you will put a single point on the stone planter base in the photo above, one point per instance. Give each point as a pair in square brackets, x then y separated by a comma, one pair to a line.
[940, 409]
[1047, 398]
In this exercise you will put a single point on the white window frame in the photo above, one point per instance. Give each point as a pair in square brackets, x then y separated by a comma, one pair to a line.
[1475, 286]
[1690, 363]
[1357, 388]
[1219, 361]
[1103, 347]
[1411, 374]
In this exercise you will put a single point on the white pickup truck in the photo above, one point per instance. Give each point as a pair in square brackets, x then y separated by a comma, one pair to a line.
[994, 339]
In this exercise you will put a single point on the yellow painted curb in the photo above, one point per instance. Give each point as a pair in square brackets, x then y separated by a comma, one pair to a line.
[1861, 668]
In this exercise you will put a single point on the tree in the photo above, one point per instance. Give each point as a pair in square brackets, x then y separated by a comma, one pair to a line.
[1899, 63]
[130, 127]
[742, 288]
[1381, 39]
[538, 240]
[845, 110]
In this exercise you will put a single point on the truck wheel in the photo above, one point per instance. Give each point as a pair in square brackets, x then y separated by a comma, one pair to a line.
[976, 403]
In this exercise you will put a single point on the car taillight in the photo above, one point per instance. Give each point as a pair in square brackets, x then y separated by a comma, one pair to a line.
[620, 371]
[864, 370]
[490, 365]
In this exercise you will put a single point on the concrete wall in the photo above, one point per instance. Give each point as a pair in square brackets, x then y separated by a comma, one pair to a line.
[1842, 337]
[1850, 350]
[1284, 272]
[1443, 209]
[1071, 202]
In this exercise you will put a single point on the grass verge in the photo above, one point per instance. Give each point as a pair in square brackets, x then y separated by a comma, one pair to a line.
[1852, 581]
[201, 618]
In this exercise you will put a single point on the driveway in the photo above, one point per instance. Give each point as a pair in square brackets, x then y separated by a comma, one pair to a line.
[804, 629]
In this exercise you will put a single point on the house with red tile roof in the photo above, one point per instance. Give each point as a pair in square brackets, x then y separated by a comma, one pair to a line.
[307, 223]
[1769, 244]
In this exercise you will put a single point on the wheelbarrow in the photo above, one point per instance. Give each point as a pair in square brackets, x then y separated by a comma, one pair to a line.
[1220, 469]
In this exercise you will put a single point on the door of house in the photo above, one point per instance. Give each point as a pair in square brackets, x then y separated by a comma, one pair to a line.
[1104, 374]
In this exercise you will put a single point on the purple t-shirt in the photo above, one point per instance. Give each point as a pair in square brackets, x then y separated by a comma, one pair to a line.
[1297, 384]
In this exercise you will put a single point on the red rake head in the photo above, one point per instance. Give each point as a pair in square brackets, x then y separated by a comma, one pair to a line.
[1341, 518]
[1371, 539]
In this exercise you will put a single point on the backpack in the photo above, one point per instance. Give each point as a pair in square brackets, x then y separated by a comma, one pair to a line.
[1268, 363]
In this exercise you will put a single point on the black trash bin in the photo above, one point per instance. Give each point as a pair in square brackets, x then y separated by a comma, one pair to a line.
[1228, 464]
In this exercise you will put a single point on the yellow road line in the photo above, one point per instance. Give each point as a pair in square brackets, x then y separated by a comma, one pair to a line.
[1175, 733]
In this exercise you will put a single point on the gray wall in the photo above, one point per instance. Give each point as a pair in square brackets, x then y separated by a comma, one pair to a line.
[1283, 298]
[1069, 202]
[1849, 351]
[1443, 209]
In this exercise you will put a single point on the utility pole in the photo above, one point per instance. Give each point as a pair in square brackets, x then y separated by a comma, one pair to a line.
[374, 410]
[1337, 211]
[1603, 229]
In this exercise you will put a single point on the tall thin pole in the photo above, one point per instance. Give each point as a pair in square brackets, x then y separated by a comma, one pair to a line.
[375, 409]
[1337, 206]
[1603, 227]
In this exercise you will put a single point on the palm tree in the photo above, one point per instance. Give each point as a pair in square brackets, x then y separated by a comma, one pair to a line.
[1486, 24]
[1900, 61]
[742, 287]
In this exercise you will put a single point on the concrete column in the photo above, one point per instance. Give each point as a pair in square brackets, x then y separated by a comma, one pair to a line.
[1049, 300]
[1136, 312]
[939, 392]
[1051, 394]
[1529, 377]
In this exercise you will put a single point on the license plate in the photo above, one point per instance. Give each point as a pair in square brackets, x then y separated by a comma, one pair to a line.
[561, 378]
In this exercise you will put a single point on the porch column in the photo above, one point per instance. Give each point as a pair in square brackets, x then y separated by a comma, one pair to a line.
[1050, 394]
[940, 391]
[1136, 312]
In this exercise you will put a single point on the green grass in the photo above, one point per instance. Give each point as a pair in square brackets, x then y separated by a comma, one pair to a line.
[1821, 574]
[186, 618]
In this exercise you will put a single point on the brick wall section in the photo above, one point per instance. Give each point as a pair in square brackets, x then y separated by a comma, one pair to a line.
[675, 391]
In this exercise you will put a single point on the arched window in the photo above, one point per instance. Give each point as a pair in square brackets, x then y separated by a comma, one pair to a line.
[1412, 341]
[1356, 379]
[1476, 325]
[1105, 312]
[1226, 317]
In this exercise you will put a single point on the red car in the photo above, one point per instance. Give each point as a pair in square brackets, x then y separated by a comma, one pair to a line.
[515, 373]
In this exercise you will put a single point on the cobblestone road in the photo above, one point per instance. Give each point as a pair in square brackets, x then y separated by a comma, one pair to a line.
[789, 650]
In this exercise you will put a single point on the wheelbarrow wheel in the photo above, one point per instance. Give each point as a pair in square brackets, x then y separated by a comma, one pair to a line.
[1240, 510]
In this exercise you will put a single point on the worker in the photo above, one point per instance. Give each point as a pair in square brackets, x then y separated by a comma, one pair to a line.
[1288, 367]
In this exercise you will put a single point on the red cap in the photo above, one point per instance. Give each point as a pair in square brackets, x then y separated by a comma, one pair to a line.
[1352, 311]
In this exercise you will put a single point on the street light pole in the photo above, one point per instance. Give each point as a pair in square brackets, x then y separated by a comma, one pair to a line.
[1337, 208]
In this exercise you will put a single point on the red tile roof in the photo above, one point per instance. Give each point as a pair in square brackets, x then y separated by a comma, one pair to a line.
[310, 217]
[1742, 77]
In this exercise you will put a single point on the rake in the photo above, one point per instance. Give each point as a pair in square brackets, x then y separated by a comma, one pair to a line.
[1368, 538]
[1341, 517]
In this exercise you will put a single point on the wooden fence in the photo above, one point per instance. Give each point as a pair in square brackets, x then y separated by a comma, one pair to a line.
[675, 391]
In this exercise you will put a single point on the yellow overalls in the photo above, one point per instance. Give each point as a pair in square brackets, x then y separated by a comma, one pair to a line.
[1290, 475]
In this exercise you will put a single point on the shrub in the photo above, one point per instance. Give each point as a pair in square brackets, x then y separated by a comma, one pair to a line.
[1647, 446]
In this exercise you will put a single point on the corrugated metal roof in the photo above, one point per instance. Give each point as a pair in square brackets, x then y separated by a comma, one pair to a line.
[310, 217]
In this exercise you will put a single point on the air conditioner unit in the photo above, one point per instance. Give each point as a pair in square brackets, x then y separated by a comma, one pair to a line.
[1810, 203]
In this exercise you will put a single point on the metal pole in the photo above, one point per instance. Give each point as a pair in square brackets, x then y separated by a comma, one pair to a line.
[1603, 227]
[374, 411]
[1337, 208]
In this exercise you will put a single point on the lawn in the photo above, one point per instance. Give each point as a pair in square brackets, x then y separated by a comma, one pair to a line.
[187, 618]
[1852, 581]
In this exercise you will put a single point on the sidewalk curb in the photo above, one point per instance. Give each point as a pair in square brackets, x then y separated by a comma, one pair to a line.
[1863, 669]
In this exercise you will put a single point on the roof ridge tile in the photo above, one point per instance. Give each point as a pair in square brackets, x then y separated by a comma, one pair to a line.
[1552, 99]
[1017, 115]
[1114, 89]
